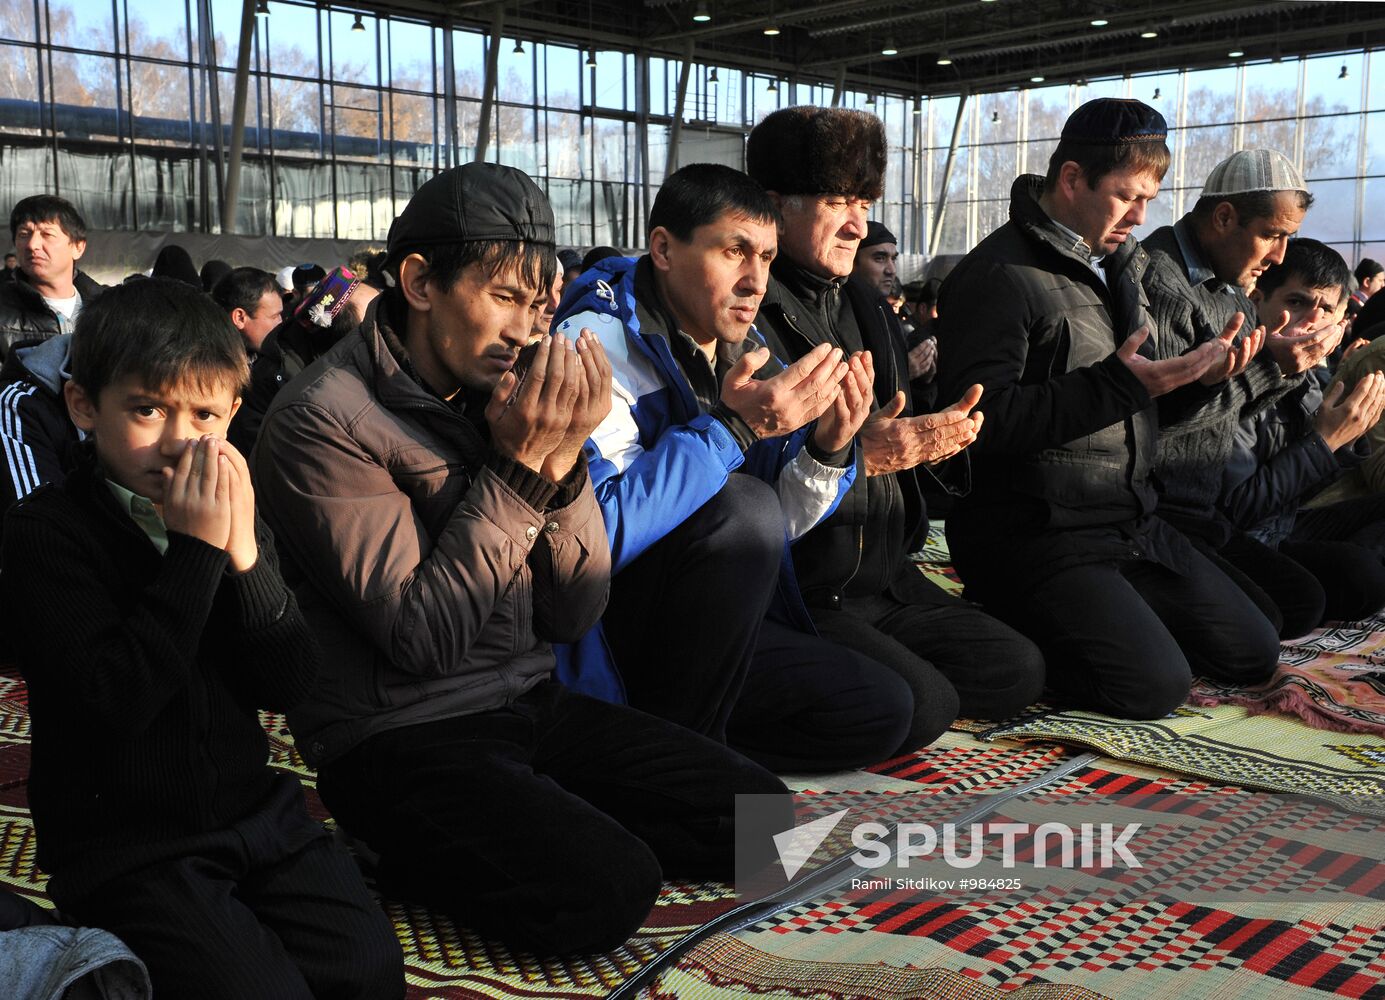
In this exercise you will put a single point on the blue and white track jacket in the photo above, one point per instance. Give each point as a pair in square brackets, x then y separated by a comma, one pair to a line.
[657, 458]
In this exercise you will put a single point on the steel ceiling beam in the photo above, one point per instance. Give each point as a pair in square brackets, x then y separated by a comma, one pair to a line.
[780, 17]
[1213, 50]
[957, 47]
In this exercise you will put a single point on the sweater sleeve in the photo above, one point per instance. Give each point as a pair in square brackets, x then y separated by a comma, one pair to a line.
[119, 667]
[270, 657]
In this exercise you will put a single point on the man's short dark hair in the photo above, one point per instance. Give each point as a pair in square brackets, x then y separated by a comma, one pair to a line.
[243, 288]
[1249, 205]
[1315, 264]
[162, 331]
[48, 208]
[1367, 269]
[11, 254]
[699, 193]
[1096, 160]
[536, 263]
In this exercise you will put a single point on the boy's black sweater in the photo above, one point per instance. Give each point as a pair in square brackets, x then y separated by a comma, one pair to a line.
[144, 673]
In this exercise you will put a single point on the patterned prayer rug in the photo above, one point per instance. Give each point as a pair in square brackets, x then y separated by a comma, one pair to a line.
[1263, 897]
[1227, 744]
[446, 962]
[1333, 678]
[441, 960]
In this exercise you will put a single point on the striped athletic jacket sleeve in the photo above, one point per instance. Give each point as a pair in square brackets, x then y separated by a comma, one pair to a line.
[36, 434]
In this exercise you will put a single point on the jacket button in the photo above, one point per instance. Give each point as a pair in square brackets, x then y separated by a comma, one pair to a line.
[835, 600]
[531, 532]
[551, 527]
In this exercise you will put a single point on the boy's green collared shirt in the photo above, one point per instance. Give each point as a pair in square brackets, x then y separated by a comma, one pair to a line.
[143, 512]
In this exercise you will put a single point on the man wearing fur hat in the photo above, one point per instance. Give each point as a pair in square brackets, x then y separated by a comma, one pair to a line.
[824, 167]
[1201, 270]
[1049, 315]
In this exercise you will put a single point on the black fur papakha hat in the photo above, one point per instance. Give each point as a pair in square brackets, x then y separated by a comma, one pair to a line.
[811, 150]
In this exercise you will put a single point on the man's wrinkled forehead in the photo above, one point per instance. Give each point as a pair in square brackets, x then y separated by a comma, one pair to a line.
[1328, 296]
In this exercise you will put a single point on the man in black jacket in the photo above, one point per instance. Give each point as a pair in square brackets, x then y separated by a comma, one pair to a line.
[48, 291]
[823, 167]
[1048, 314]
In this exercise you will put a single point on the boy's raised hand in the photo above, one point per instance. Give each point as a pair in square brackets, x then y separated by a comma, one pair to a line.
[240, 543]
[197, 493]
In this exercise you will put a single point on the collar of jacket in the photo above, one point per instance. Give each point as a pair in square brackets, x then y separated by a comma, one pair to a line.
[656, 319]
[88, 288]
[393, 384]
[810, 289]
[1193, 261]
[87, 482]
[1034, 222]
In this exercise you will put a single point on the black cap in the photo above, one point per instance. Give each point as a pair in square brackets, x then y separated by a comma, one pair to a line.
[1113, 121]
[307, 274]
[569, 258]
[469, 204]
[876, 233]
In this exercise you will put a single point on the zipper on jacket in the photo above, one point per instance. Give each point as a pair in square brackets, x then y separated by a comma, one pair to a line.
[860, 526]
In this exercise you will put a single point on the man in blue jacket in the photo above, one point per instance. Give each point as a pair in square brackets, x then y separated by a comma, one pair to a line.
[714, 453]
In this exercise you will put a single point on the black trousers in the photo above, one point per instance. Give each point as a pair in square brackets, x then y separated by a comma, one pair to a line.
[810, 705]
[1125, 638]
[956, 658]
[686, 624]
[683, 618]
[1343, 546]
[551, 823]
[273, 908]
[1286, 592]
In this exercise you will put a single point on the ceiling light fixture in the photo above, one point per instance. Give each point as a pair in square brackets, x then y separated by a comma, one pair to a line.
[1149, 32]
[944, 59]
[995, 117]
[1343, 74]
[713, 77]
[1099, 22]
[890, 48]
[519, 48]
[591, 57]
[870, 100]
[1036, 79]
[1235, 53]
[701, 14]
[772, 30]
[773, 87]
[1157, 93]
[357, 25]
[262, 8]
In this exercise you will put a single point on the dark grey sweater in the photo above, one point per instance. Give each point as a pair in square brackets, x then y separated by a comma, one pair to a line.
[1198, 424]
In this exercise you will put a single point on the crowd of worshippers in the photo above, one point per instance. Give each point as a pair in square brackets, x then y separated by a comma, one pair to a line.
[546, 570]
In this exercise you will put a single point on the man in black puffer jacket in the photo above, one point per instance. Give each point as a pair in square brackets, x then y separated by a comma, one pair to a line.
[823, 167]
[1057, 534]
[48, 291]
